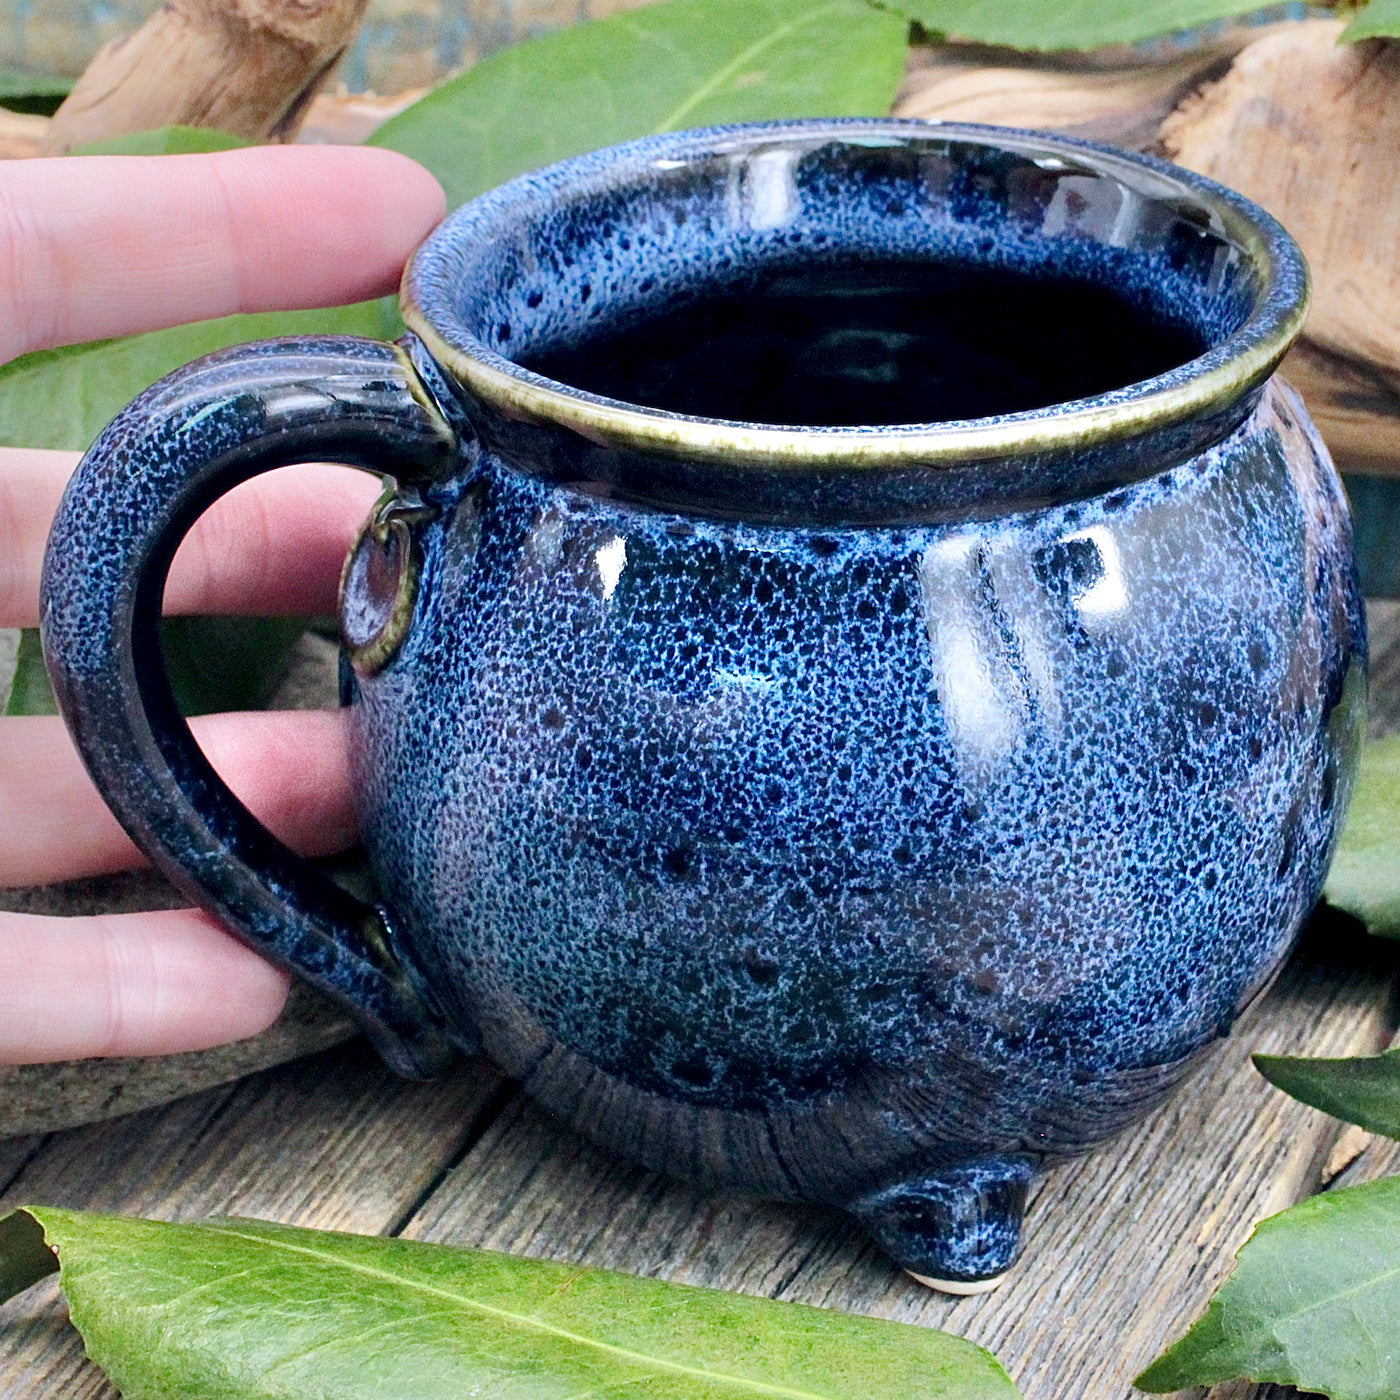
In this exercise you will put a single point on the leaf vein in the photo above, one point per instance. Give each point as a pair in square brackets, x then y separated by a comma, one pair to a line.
[520, 1319]
[737, 64]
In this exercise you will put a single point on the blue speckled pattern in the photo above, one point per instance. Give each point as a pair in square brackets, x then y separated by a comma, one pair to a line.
[862, 832]
[806, 860]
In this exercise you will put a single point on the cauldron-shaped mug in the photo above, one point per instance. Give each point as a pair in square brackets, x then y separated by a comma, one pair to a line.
[855, 686]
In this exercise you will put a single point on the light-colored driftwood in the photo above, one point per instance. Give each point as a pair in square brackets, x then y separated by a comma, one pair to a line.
[1306, 126]
[1120, 96]
[1310, 129]
[246, 66]
[1355, 404]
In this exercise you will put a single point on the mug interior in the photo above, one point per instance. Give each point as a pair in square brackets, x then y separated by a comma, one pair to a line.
[1038, 276]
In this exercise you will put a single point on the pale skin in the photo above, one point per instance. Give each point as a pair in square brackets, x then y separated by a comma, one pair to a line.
[104, 246]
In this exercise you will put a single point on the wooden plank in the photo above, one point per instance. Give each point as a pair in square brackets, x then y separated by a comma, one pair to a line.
[1123, 1247]
[15, 1155]
[332, 1141]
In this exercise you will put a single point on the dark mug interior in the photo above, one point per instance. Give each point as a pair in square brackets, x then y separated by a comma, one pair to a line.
[832, 278]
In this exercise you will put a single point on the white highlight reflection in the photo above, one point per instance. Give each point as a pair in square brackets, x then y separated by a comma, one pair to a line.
[611, 559]
[771, 194]
[981, 698]
[1106, 599]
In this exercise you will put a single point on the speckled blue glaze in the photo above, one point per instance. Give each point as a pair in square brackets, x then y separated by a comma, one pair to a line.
[867, 832]
[805, 861]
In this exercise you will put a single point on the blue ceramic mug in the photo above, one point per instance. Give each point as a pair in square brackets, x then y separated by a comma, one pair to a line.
[858, 680]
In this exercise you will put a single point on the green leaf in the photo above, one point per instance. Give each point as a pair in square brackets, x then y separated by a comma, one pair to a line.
[1365, 875]
[30, 692]
[1070, 24]
[164, 141]
[237, 1308]
[215, 663]
[1312, 1303]
[63, 398]
[29, 82]
[1380, 19]
[24, 1256]
[678, 64]
[1364, 1090]
[39, 94]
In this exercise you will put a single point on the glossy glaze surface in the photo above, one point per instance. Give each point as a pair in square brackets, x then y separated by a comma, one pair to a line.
[863, 815]
[810, 862]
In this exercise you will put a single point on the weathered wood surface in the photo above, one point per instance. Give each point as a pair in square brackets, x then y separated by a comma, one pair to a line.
[1123, 1247]
[332, 1141]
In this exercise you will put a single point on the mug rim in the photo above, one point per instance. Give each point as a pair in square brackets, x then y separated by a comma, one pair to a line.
[1221, 374]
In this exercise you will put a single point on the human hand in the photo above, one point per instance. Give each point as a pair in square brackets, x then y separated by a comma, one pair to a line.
[103, 246]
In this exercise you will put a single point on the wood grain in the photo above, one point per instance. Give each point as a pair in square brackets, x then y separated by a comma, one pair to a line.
[1303, 125]
[1308, 127]
[333, 1141]
[1123, 1247]
[1120, 96]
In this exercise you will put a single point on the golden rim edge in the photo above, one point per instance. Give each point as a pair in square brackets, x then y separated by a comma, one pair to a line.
[612, 423]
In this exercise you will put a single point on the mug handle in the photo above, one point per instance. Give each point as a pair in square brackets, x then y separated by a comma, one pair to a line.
[151, 473]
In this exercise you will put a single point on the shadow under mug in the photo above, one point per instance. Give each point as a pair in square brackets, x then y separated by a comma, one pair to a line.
[855, 813]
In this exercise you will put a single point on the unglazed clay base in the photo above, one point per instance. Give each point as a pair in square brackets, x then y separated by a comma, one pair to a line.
[957, 1287]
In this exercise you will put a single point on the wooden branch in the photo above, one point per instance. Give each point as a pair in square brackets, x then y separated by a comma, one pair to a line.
[250, 67]
[1306, 126]
[1116, 96]
[1311, 130]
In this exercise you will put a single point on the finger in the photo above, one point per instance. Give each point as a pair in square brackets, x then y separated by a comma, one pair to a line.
[289, 769]
[273, 546]
[128, 984]
[101, 246]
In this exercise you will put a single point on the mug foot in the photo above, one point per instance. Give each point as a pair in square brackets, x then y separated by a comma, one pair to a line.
[957, 1287]
[957, 1230]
